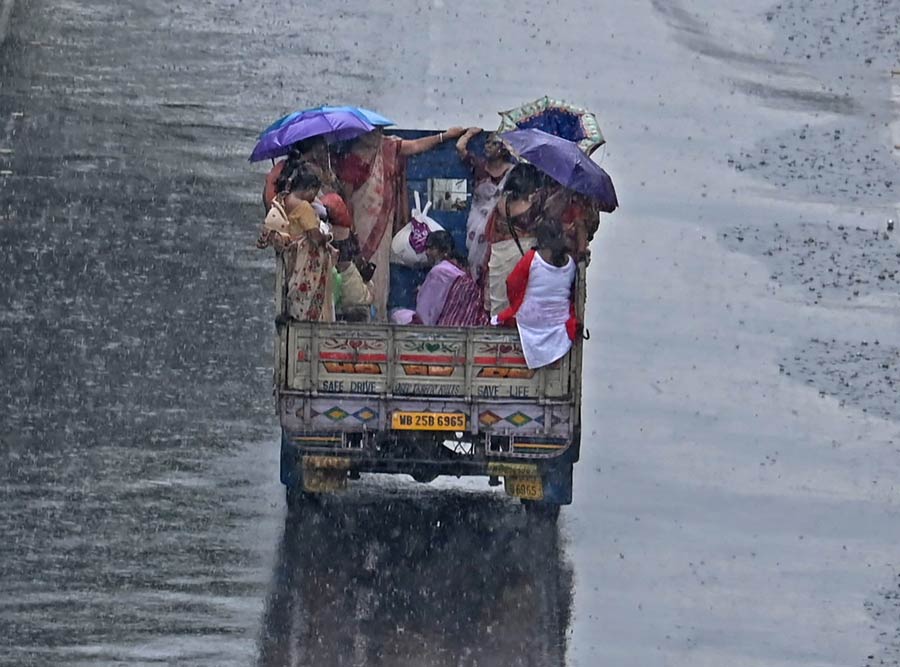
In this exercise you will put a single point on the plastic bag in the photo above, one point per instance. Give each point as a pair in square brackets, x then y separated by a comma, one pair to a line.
[408, 245]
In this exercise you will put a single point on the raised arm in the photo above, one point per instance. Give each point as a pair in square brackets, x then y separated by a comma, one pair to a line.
[415, 146]
[462, 146]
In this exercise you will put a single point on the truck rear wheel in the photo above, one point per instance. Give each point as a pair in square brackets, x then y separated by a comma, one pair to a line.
[540, 511]
[296, 498]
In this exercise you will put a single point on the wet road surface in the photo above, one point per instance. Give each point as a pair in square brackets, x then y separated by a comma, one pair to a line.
[438, 579]
[736, 502]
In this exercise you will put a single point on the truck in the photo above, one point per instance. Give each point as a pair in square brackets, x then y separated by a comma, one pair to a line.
[360, 397]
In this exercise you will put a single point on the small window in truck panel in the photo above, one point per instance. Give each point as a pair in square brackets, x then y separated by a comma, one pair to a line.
[448, 194]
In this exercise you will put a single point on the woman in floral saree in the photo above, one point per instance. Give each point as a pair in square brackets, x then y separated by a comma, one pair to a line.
[302, 242]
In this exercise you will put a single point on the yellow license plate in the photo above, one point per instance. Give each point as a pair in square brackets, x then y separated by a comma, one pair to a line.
[428, 421]
[529, 488]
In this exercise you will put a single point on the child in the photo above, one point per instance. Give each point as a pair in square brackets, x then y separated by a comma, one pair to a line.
[540, 297]
[356, 292]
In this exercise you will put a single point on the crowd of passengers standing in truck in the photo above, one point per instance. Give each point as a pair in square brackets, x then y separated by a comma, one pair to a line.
[332, 211]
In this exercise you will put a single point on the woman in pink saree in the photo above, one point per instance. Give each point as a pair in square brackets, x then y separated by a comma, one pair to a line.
[448, 297]
[373, 175]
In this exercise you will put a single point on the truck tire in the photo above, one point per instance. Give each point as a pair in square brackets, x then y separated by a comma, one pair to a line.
[541, 511]
[292, 477]
[296, 498]
[558, 484]
[290, 472]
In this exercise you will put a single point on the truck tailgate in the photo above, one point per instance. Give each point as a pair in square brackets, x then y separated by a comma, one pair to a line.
[350, 378]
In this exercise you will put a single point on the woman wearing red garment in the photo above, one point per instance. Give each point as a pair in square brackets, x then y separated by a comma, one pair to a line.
[578, 215]
[372, 179]
[540, 297]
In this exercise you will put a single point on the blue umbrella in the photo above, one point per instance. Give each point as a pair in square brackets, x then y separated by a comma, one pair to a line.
[336, 125]
[372, 117]
[566, 163]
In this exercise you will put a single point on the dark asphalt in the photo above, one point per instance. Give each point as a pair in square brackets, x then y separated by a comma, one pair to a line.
[141, 447]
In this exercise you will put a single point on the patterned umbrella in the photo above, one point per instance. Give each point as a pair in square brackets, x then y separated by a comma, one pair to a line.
[557, 118]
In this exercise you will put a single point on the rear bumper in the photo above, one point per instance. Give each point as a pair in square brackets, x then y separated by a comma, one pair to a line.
[401, 451]
[418, 467]
[326, 468]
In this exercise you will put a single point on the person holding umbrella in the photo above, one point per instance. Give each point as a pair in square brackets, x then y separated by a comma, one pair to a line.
[575, 189]
[565, 163]
[510, 231]
[305, 135]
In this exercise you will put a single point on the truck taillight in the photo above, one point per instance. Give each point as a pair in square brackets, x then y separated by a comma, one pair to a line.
[500, 372]
[352, 368]
[433, 371]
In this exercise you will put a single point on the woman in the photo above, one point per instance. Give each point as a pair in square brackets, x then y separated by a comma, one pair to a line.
[578, 215]
[448, 297]
[540, 295]
[372, 179]
[510, 230]
[313, 151]
[489, 174]
[293, 228]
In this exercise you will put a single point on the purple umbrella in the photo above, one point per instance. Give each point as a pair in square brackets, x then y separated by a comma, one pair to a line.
[563, 161]
[366, 114]
[334, 125]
